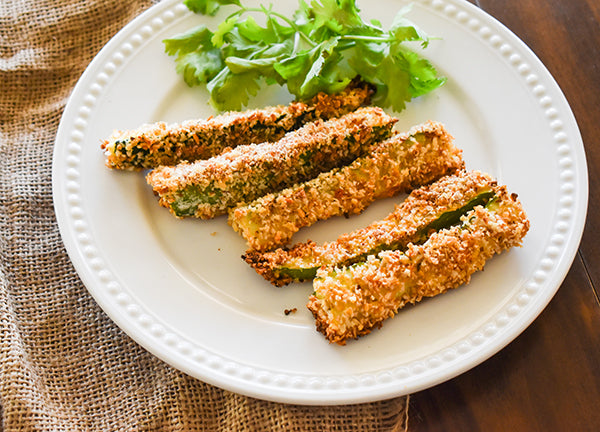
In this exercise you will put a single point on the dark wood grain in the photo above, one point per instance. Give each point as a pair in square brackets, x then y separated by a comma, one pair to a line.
[565, 35]
[548, 379]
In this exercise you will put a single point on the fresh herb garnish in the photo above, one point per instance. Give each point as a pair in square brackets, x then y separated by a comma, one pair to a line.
[322, 48]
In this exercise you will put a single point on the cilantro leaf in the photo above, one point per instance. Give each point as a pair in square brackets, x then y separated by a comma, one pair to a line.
[339, 16]
[233, 90]
[218, 39]
[392, 92]
[197, 59]
[323, 46]
[423, 75]
[196, 38]
[405, 30]
[208, 7]
[238, 65]
[323, 56]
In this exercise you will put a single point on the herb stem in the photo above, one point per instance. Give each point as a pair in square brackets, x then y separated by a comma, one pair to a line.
[269, 13]
[366, 38]
[320, 47]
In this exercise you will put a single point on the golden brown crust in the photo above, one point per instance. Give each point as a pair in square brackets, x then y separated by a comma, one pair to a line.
[160, 143]
[350, 302]
[249, 171]
[421, 207]
[395, 165]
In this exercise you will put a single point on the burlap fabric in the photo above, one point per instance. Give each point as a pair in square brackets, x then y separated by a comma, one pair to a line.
[64, 366]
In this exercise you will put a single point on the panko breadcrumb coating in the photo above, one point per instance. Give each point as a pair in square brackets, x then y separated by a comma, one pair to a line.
[349, 302]
[425, 208]
[208, 188]
[160, 143]
[419, 156]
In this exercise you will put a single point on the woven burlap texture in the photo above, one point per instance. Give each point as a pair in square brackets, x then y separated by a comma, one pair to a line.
[64, 365]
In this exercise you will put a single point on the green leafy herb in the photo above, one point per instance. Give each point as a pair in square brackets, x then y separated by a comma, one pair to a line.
[321, 48]
[208, 7]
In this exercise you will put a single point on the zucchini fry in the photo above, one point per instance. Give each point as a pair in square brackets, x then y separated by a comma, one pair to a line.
[349, 302]
[208, 188]
[167, 144]
[426, 209]
[417, 157]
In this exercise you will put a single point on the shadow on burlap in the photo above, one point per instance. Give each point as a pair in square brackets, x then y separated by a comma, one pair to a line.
[64, 366]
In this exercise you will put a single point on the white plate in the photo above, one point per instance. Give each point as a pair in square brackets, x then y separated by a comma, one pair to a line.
[180, 289]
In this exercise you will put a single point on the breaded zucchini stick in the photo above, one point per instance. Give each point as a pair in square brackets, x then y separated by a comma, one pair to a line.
[439, 204]
[208, 188]
[167, 144]
[349, 302]
[419, 156]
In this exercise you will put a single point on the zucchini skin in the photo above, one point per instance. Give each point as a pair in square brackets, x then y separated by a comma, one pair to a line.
[208, 188]
[419, 156]
[350, 302]
[444, 220]
[157, 144]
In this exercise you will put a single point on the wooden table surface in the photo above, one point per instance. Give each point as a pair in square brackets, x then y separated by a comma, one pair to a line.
[547, 379]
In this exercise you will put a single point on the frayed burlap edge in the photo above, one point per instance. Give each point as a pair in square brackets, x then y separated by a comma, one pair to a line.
[64, 366]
